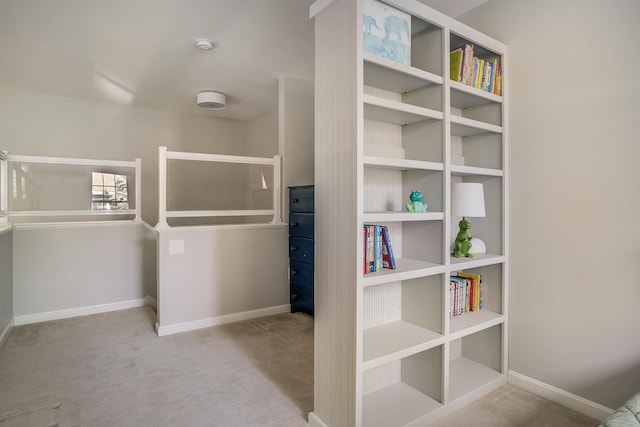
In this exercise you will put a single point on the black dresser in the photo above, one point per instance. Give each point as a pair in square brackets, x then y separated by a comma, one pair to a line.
[301, 248]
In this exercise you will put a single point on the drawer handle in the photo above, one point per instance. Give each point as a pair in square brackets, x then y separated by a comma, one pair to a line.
[293, 248]
[294, 272]
[295, 200]
[294, 224]
[294, 296]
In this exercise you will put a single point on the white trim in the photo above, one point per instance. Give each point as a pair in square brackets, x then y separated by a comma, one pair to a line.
[194, 214]
[76, 224]
[7, 331]
[78, 311]
[559, 396]
[315, 421]
[220, 320]
[200, 228]
[73, 213]
[70, 161]
[222, 158]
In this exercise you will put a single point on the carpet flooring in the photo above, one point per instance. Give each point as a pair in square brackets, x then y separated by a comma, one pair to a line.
[111, 369]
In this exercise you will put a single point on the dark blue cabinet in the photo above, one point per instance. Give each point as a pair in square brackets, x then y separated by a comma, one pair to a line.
[301, 243]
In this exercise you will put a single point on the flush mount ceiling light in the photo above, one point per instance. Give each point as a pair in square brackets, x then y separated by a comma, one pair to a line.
[203, 44]
[212, 100]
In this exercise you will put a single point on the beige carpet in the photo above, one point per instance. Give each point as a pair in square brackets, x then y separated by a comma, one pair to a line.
[512, 407]
[112, 370]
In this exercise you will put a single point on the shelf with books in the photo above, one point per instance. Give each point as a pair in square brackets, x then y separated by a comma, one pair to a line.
[486, 300]
[474, 65]
[389, 111]
[404, 391]
[404, 327]
[475, 362]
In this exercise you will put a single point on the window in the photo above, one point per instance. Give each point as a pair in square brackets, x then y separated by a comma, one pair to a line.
[109, 191]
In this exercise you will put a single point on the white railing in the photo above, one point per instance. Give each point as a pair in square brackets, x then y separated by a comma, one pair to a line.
[6, 158]
[163, 213]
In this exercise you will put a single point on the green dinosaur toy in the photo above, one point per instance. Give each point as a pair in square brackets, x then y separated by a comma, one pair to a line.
[463, 241]
[416, 204]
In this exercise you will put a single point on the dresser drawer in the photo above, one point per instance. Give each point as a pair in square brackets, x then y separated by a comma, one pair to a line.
[301, 249]
[301, 273]
[301, 299]
[301, 199]
[301, 225]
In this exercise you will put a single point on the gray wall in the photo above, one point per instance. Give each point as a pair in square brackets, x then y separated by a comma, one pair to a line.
[575, 201]
[63, 268]
[206, 273]
[296, 136]
[6, 280]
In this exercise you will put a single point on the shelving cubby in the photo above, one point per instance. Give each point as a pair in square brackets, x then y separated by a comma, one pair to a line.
[492, 311]
[403, 391]
[489, 229]
[475, 361]
[396, 321]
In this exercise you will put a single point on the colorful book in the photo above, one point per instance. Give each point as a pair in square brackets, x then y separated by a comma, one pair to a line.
[377, 241]
[476, 285]
[456, 64]
[388, 260]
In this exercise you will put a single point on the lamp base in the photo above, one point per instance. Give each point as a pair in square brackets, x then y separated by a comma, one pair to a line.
[462, 244]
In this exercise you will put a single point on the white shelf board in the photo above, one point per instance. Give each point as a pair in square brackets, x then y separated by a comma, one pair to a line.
[462, 126]
[462, 170]
[472, 322]
[406, 268]
[396, 77]
[476, 261]
[393, 341]
[465, 96]
[396, 405]
[400, 164]
[465, 376]
[375, 217]
[399, 113]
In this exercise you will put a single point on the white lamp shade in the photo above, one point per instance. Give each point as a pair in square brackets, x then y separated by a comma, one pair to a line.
[467, 199]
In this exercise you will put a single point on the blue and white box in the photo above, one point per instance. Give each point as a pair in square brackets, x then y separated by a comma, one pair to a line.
[387, 31]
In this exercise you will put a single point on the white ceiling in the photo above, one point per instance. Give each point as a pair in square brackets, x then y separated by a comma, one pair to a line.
[141, 52]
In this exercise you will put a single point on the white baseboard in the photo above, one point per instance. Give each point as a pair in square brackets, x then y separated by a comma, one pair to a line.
[79, 311]
[315, 421]
[559, 396]
[219, 320]
[5, 334]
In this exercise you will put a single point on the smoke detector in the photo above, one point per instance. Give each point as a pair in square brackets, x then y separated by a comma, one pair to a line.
[203, 44]
[212, 100]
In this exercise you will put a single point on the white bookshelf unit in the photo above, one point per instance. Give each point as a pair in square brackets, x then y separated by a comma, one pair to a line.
[387, 351]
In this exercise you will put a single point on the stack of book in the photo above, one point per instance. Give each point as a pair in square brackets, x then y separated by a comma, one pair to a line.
[481, 73]
[378, 253]
[465, 293]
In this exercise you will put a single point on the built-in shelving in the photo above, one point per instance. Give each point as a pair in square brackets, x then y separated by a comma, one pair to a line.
[410, 128]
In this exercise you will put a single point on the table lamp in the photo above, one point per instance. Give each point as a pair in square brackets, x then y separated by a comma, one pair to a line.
[467, 200]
